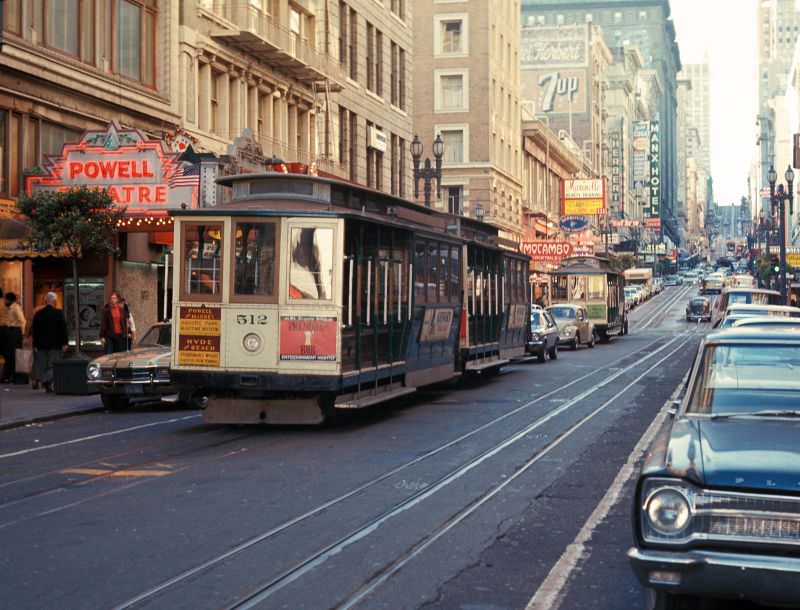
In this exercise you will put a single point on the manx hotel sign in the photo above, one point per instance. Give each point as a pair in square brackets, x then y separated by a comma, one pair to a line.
[139, 173]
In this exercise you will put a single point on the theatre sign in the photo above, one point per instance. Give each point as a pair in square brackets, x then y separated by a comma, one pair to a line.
[140, 174]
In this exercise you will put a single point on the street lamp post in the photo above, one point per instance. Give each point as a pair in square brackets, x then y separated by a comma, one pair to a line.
[779, 199]
[427, 173]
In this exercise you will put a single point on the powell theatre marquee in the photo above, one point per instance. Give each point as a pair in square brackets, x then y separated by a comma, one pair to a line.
[145, 179]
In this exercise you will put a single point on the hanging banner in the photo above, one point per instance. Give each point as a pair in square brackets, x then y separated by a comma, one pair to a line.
[141, 175]
[583, 197]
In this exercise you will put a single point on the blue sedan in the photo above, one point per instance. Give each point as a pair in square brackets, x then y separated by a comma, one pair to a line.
[717, 509]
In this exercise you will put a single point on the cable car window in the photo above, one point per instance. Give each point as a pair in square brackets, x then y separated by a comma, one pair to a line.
[254, 259]
[202, 259]
[433, 273]
[597, 287]
[455, 274]
[311, 266]
[420, 268]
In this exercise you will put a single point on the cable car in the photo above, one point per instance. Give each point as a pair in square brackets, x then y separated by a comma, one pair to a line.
[306, 295]
[590, 281]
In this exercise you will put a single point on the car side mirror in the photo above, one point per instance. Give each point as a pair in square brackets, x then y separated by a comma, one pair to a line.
[672, 411]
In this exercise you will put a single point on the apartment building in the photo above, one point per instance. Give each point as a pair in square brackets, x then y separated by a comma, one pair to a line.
[466, 89]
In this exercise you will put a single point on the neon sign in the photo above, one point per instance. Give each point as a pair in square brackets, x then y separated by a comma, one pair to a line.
[140, 174]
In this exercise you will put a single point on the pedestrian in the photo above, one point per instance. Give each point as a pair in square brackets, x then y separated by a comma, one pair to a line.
[14, 327]
[49, 332]
[115, 324]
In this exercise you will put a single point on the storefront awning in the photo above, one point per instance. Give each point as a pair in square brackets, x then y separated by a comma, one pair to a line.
[15, 250]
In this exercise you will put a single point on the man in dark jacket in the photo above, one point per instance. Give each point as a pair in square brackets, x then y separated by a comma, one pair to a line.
[49, 331]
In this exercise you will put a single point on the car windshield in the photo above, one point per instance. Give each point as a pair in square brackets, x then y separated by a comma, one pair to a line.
[563, 312]
[157, 336]
[536, 319]
[741, 379]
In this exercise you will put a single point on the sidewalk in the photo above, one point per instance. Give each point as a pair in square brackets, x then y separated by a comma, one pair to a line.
[20, 405]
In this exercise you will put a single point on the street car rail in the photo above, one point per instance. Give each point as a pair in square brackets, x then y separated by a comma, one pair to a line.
[409, 502]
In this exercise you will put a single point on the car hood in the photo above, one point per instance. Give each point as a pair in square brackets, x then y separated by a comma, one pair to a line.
[136, 358]
[757, 454]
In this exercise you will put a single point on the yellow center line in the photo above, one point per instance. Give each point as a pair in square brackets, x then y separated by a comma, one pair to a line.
[101, 472]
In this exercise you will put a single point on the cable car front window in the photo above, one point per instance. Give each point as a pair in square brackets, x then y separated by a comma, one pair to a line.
[202, 259]
[254, 265]
[311, 268]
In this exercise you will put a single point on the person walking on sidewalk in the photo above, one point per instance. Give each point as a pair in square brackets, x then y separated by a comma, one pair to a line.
[14, 327]
[115, 324]
[49, 331]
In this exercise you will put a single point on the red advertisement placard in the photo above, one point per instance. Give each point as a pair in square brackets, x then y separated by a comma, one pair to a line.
[308, 338]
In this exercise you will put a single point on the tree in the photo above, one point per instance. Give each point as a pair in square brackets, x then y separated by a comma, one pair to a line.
[77, 221]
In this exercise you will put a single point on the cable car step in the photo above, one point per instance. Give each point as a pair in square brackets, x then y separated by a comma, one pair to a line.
[373, 399]
[480, 365]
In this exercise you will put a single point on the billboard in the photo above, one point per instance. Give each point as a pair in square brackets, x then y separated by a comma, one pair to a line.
[555, 91]
[583, 197]
[565, 46]
[640, 143]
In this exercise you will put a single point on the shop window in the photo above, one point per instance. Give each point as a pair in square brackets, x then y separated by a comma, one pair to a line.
[255, 259]
[135, 41]
[202, 260]
[311, 265]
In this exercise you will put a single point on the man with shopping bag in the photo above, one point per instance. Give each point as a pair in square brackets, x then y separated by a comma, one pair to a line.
[49, 331]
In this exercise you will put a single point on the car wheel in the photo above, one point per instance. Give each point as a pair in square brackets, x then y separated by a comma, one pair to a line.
[574, 345]
[541, 356]
[661, 600]
[554, 352]
[625, 328]
[114, 402]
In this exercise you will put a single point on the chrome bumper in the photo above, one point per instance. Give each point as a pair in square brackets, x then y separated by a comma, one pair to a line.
[756, 578]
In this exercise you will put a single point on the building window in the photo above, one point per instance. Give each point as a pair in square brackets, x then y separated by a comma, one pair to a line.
[451, 36]
[455, 200]
[617, 17]
[453, 145]
[343, 138]
[642, 15]
[540, 20]
[353, 45]
[559, 19]
[213, 95]
[394, 85]
[378, 62]
[589, 18]
[135, 40]
[343, 12]
[401, 64]
[69, 26]
[450, 92]
[353, 148]
[12, 18]
[399, 8]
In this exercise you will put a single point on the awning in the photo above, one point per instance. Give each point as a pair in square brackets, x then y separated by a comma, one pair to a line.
[15, 250]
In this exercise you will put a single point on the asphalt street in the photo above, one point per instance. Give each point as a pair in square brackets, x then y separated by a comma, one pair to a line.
[510, 493]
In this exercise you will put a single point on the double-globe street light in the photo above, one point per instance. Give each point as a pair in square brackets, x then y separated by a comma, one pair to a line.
[427, 173]
[778, 198]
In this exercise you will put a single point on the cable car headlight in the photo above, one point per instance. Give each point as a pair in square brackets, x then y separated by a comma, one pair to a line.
[252, 342]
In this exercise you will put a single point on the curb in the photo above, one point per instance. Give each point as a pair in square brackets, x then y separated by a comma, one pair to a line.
[45, 418]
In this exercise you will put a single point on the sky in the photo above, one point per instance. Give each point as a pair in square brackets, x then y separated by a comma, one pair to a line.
[726, 29]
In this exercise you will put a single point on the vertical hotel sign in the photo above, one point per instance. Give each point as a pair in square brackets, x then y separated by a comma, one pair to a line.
[655, 171]
[617, 203]
[140, 175]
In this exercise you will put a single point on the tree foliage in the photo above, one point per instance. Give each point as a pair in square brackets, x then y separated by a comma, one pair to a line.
[78, 220]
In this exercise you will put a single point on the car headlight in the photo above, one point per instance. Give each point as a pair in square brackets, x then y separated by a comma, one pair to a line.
[536, 337]
[568, 330]
[251, 342]
[93, 371]
[668, 511]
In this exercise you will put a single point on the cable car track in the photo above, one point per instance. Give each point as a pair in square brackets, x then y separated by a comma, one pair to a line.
[497, 447]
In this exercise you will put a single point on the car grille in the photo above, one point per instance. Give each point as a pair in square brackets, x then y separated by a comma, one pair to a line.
[132, 374]
[729, 516]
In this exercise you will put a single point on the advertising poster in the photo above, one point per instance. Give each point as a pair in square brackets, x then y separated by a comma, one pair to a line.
[584, 197]
[308, 338]
[640, 144]
[436, 325]
[199, 333]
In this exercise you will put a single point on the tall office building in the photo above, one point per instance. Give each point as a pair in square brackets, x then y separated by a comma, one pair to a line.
[646, 24]
[466, 89]
[778, 29]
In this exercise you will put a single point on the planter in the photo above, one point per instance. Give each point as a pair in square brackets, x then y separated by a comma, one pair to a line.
[69, 377]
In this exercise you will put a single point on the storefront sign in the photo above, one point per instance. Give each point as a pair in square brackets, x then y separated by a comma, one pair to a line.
[793, 260]
[436, 325]
[199, 332]
[584, 197]
[573, 224]
[308, 338]
[655, 170]
[546, 251]
[617, 173]
[140, 174]
[583, 250]
[641, 142]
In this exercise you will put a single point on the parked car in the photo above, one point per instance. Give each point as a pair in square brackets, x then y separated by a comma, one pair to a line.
[574, 326]
[743, 310]
[140, 372]
[543, 339]
[717, 508]
[633, 295]
[773, 322]
[698, 308]
[673, 280]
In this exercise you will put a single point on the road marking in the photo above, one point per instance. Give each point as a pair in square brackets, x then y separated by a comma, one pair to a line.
[96, 436]
[100, 472]
[548, 595]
